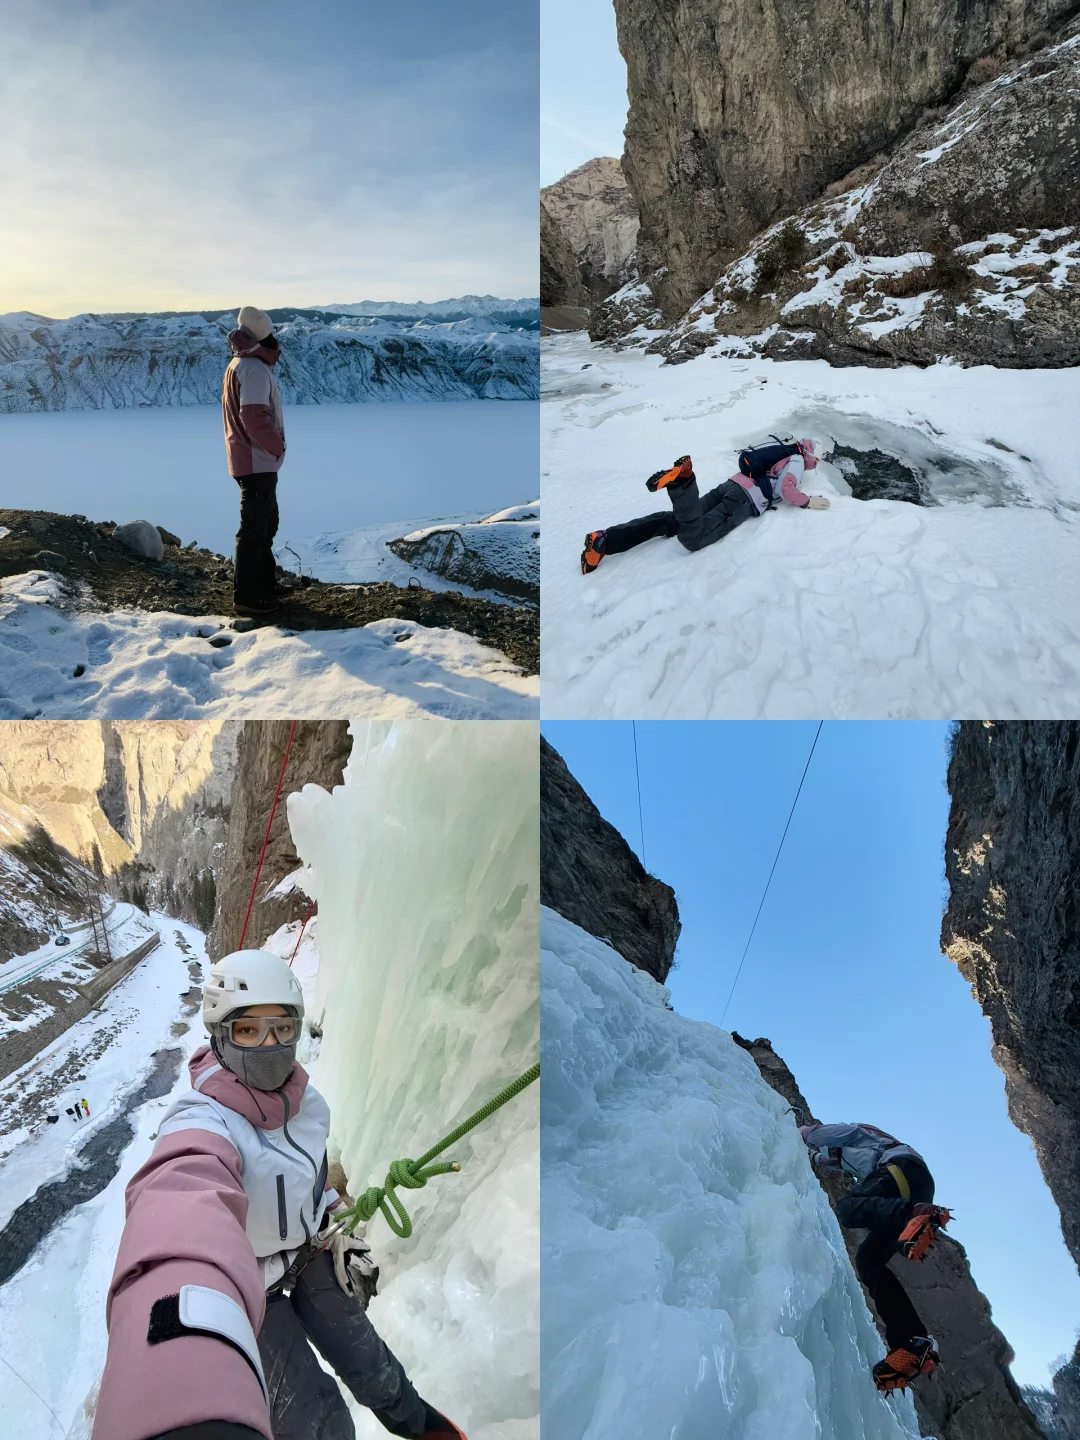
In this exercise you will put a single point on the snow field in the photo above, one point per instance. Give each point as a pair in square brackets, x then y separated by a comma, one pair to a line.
[424, 863]
[874, 609]
[52, 1313]
[695, 1282]
[155, 665]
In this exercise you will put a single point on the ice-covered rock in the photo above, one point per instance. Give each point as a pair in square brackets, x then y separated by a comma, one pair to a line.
[695, 1281]
[425, 866]
[141, 538]
[500, 553]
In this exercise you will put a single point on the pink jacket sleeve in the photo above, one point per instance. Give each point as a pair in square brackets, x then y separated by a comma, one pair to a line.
[186, 1212]
[791, 492]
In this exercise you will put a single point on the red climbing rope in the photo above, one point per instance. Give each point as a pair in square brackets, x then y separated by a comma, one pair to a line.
[266, 837]
[303, 927]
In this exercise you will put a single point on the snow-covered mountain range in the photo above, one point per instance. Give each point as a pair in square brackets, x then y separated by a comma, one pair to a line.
[518, 314]
[118, 361]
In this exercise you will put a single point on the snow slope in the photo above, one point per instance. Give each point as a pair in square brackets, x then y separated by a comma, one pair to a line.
[152, 665]
[872, 609]
[695, 1282]
[52, 1312]
[425, 865]
[114, 361]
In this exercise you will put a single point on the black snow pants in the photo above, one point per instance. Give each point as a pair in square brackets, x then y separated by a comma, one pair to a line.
[876, 1205]
[695, 520]
[255, 574]
[305, 1402]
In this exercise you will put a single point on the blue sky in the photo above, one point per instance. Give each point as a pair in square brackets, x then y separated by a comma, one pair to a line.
[844, 975]
[159, 156]
[582, 85]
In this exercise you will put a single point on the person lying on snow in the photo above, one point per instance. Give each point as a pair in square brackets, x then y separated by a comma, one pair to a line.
[893, 1201]
[699, 520]
[222, 1277]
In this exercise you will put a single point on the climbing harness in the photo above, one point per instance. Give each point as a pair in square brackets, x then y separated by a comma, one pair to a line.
[901, 1181]
[414, 1174]
[266, 837]
[920, 1232]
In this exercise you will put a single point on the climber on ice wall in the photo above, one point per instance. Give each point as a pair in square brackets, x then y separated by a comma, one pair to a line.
[765, 476]
[227, 1269]
[893, 1200]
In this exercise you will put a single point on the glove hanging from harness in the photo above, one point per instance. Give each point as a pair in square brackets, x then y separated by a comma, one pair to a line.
[919, 1233]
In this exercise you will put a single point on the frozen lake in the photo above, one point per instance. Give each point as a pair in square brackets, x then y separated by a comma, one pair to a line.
[348, 466]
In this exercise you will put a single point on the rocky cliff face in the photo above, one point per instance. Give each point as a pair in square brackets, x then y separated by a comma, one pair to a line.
[560, 279]
[1012, 859]
[595, 212]
[973, 1396]
[742, 114]
[319, 753]
[590, 875]
[964, 242]
[143, 802]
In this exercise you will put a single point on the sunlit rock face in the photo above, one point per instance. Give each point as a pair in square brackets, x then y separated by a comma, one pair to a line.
[739, 115]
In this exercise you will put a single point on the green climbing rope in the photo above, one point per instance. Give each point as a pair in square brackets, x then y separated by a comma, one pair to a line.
[414, 1174]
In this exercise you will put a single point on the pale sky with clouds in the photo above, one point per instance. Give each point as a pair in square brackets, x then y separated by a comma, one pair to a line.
[582, 85]
[157, 155]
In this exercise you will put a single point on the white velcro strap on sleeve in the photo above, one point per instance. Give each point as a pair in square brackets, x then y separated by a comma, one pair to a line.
[204, 1309]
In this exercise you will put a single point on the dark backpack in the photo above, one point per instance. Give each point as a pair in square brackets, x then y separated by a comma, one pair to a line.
[756, 461]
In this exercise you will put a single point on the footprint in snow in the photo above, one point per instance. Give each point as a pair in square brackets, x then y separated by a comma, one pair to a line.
[98, 645]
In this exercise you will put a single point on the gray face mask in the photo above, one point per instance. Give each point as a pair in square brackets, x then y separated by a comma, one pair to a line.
[263, 1067]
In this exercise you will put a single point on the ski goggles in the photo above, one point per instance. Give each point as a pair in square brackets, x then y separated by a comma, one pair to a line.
[251, 1030]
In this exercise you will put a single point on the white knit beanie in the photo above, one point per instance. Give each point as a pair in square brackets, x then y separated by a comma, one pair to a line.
[256, 320]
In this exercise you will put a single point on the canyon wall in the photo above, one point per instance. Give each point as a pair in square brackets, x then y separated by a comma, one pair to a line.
[741, 114]
[1012, 927]
[589, 874]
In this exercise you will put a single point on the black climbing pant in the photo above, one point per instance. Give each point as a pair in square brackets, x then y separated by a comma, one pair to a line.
[876, 1205]
[305, 1402]
[695, 520]
[702, 520]
[255, 574]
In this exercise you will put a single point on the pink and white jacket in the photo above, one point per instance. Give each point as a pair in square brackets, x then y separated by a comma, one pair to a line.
[236, 1179]
[786, 475]
[251, 408]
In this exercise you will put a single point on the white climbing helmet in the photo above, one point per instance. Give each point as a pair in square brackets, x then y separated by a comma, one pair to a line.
[249, 977]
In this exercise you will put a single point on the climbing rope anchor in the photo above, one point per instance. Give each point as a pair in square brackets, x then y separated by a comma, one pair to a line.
[414, 1174]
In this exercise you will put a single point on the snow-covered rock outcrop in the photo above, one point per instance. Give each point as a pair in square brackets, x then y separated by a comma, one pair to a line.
[93, 362]
[499, 554]
[695, 1279]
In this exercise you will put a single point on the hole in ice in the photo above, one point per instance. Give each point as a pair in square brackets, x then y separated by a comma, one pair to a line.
[873, 475]
[874, 459]
[219, 641]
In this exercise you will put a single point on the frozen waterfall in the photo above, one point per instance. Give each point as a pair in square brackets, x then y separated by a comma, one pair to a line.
[695, 1282]
[425, 865]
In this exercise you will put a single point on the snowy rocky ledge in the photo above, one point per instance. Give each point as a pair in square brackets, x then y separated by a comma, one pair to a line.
[87, 628]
